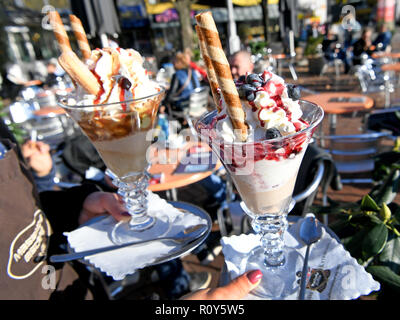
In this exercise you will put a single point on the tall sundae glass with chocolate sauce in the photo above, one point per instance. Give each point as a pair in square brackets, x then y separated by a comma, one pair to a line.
[118, 120]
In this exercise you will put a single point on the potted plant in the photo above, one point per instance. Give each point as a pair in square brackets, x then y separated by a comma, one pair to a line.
[258, 47]
[19, 133]
[313, 53]
[370, 230]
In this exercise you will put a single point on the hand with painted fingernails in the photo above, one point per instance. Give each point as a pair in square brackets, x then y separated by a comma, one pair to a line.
[237, 289]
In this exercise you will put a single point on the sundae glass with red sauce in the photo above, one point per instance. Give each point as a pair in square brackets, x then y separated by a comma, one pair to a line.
[264, 170]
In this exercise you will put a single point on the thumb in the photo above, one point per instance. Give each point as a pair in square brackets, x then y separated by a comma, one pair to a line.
[241, 286]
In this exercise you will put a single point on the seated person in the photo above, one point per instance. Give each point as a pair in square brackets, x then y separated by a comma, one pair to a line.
[201, 71]
[183, 83]
[363, 46]
[382, 41]
[329, 45]
[38, 157]
[51, 78]
[240, 63]
[331, 51]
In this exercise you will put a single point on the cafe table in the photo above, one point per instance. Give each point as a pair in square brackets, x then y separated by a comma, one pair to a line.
[388, 55]
[49, 111]
[337, 103]
[164, 162]
[391, 67]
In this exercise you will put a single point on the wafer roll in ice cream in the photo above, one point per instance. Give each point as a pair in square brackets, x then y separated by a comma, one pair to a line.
[80, 35]
[223, 73]
[79, 72]
[59, 31]
[212, 77]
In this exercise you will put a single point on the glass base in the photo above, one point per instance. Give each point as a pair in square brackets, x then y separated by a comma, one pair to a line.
[150, 228]
[278, 282]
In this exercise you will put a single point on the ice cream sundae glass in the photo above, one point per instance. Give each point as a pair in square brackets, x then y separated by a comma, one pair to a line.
[260, 132]
[121, 133]
[115, 104]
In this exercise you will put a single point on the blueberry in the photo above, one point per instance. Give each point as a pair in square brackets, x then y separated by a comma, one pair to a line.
[293, 91]
[242, 79]
[242, 92]
[254, 79]
[248, 87]
[272, 133]
[245, 90]
[250, 96]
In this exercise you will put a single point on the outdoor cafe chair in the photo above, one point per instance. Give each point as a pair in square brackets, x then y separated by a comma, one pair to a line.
[384, 120]
[353, 154]
[197, 105]
[372, 80]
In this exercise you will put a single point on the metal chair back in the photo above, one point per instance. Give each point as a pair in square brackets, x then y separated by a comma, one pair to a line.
[198, 101]
[353, 154]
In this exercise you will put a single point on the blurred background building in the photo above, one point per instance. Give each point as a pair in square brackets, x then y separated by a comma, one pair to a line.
[154, 26]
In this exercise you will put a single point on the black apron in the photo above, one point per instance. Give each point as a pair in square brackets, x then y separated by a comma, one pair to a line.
[24, 237]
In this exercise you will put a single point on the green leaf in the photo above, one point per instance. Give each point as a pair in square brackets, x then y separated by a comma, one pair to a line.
[396, 214]
[385, 276]
[390, 255]
[369, 204]
[375, 219]
[374, 241]
[339, 224]
[389, 189]
[353, 244]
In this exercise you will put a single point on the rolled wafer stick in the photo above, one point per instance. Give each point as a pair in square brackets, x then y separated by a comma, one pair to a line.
[223, 73]
[59, 31]
[79, 72]
[80, 35]
[212, 77]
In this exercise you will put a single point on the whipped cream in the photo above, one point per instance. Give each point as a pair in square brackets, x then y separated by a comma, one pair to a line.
[121, 75]
[268, 103]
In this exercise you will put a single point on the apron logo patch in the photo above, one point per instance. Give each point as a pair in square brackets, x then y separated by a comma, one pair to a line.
[29, 245]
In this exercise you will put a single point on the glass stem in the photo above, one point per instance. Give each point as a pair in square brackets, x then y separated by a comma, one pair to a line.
[134, 194]
[272, 228]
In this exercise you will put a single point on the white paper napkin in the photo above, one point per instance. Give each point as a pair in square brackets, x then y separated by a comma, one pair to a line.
[121, 262]
[333, 273]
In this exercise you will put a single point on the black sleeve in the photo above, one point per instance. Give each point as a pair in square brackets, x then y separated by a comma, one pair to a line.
[173, 89]
[358, 48]
[62, 208]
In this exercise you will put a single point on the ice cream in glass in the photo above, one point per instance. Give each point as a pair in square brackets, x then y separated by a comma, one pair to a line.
[260, 132]
[115, 104]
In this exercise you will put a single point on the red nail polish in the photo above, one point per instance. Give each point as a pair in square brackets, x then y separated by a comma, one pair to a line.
[254, 276]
